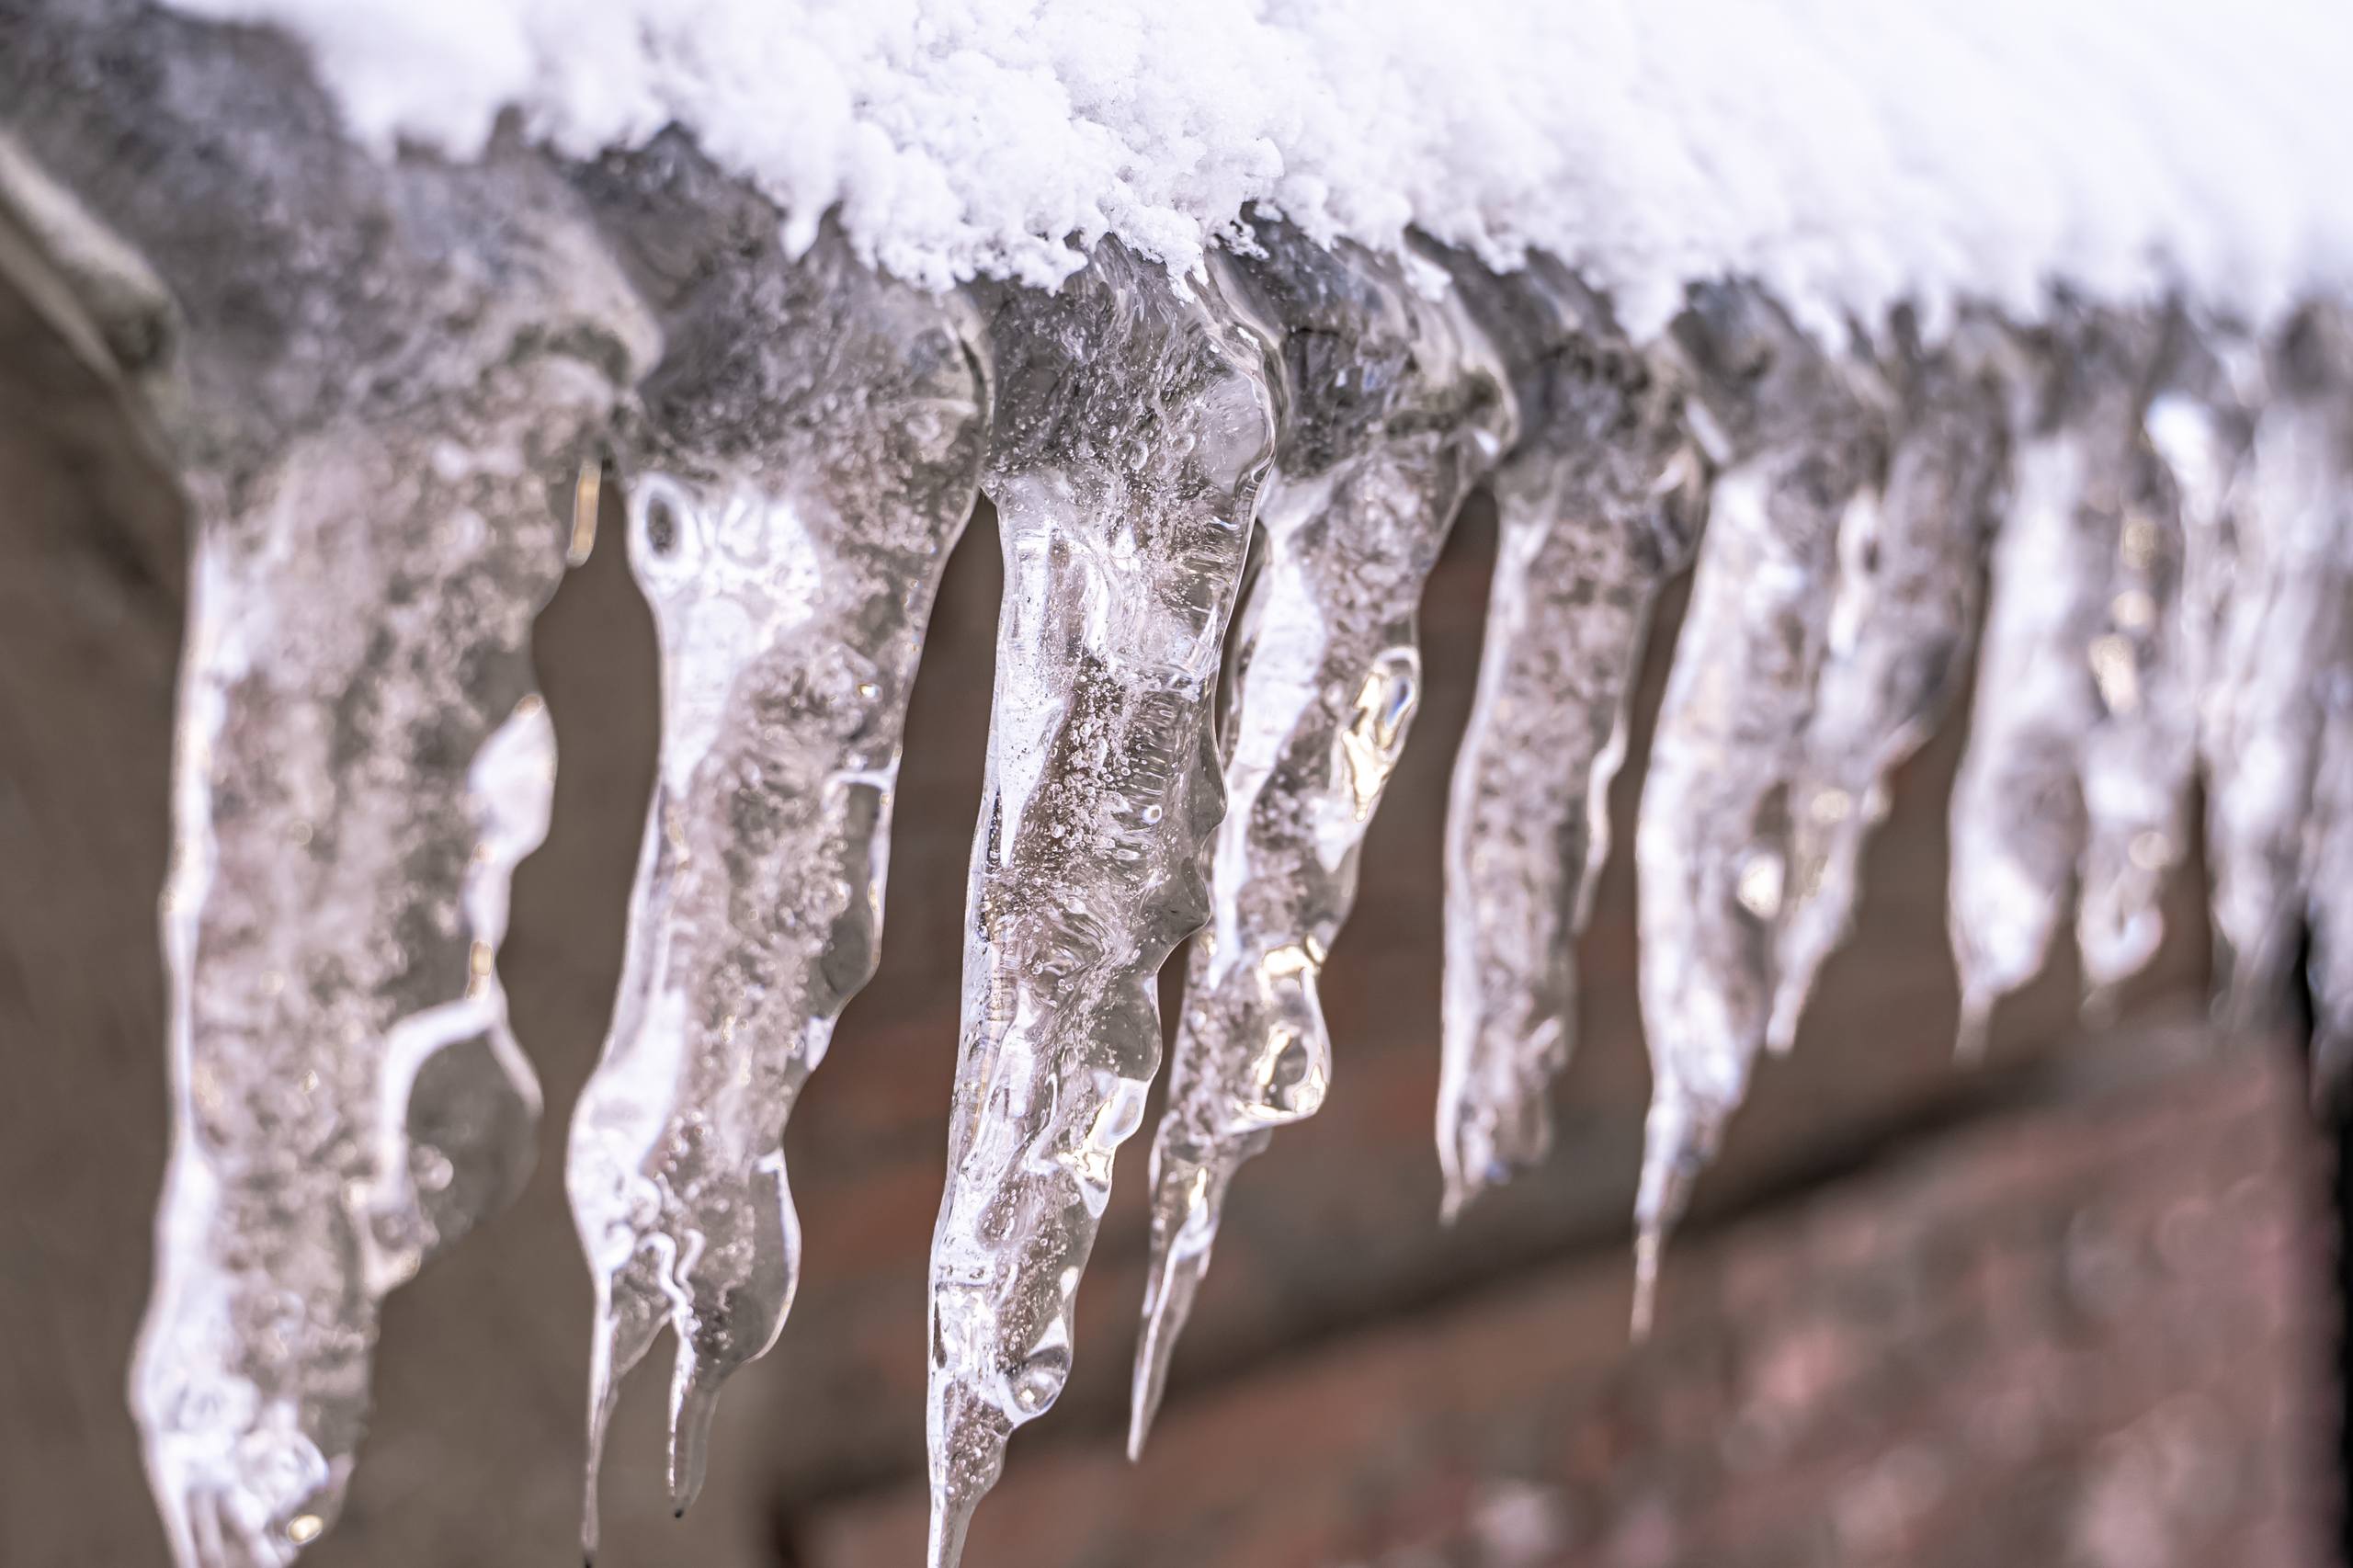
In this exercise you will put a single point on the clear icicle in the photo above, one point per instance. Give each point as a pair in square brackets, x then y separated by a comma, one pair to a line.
[2201, 424]
[2081, 581]
[1392, 407]
[1800, 441]
[350, 1098]
[2302, 606]
[806, 486]
[2264, 498]
[1901, 616]
[2328, 869]
[2139, 758]
[385, 372]
[1132, 428]
[1598, 506]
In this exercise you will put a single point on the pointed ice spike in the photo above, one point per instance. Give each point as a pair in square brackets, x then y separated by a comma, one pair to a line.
[2083, 515]
[2328, 869]
[1800, 439]
[2200, 422]
[384, 371]
[1133, 427]
[2303, 493]
[2138, 759]
[1596, 507]
[1392, 407]
[1902, 611]
[811, 450]
[2264, 491]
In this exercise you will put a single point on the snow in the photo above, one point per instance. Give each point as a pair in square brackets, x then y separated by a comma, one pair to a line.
[1849, 154]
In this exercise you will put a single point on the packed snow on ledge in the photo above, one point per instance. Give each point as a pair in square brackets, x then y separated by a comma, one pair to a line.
[1844, 155]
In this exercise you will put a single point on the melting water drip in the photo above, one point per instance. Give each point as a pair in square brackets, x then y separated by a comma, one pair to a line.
[1391, 406]
[2080, 743]
[1134, 426]
[1903, 609]
[801, 491]
[1598, 505]
[1799, 439]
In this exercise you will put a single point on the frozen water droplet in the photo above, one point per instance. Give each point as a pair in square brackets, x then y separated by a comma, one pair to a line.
[1759, 887]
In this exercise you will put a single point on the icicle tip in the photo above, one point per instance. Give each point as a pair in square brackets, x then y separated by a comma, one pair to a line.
[694, 1402]
[1646, 1285]
[952, 1518]
[1970, 1039]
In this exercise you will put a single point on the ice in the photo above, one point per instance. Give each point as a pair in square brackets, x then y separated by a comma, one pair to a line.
[2260, 452]
[1134, 426]
[1799, 439]
[2201, 424]
[361, 764]
[2140, 757]
[1902, 615]
[1597, 505]
[811, 449]
[2079, 680]
[2284, 702]
[349, 1097]
[2328, 874]
[384, 360]
[379, 378]
[1392, 406]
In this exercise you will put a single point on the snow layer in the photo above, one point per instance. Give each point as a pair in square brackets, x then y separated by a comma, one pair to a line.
[1848, 154]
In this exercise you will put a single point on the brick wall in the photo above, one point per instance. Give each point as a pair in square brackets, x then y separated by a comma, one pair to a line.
[2079, 1331]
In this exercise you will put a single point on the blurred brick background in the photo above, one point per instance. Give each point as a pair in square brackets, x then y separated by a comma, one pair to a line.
[2071, 1309]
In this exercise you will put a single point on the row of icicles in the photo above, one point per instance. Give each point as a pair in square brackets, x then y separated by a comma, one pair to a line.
[2158, 503]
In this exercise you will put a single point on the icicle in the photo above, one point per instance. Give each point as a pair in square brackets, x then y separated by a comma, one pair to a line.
[815, 444]
[1799, 439]
[1901, 616]
[1596, 507]
[2139, 758]
[2328, 879]
[2287, 702]
[361, 764]
[2201, 424]
[2262, 493]
[2080, 685]
[377, 376]
[2328, 869]
[1392, 407]
[1134, 426]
